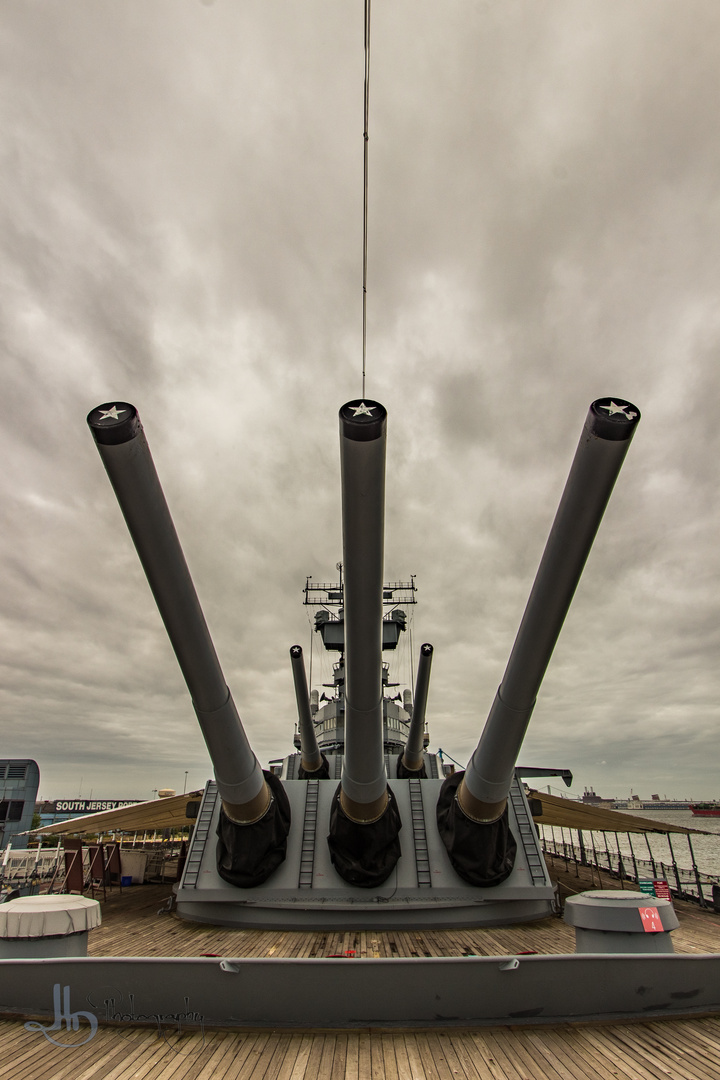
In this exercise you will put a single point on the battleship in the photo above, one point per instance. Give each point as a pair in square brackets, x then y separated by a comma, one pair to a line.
[360, 828]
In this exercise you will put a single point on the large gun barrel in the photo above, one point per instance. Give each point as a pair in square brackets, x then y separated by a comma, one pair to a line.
[121, 441]
[362, 465]
[413, 757]
[311, 757]
[605, 439]
[364, 819]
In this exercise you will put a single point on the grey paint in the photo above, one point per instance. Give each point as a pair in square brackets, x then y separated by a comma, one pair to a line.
[617, 912]
[595, 468]
[362, 470]
[413, 755]
[437, 991]
[310, 751]
[18, 789]
[137, 487]
[610, 922]
[328, 901]
[37, 948]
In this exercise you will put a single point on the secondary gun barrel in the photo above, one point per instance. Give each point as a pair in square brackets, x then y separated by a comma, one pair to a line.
[309, 749]
[363, 438]
[413, 756]
[605, 439]
[124, 451]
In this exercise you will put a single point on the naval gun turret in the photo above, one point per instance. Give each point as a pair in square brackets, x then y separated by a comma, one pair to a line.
[363, 828]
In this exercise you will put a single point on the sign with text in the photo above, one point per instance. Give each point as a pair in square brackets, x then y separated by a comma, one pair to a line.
[88, 806]
[662, 890]
[652, 924]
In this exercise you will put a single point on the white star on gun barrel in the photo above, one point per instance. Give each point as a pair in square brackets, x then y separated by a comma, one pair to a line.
[362, 409]
[111, 414]
[613, 408]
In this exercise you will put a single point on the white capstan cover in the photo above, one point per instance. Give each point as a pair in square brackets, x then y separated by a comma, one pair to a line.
[48, 916]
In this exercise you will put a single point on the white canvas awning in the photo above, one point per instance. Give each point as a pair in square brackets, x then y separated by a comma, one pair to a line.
[155, 814]
[550, 810]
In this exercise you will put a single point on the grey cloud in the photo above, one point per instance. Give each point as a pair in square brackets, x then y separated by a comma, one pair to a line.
[181, 228]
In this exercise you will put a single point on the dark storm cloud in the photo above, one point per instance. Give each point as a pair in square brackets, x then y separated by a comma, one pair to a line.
[181, 228]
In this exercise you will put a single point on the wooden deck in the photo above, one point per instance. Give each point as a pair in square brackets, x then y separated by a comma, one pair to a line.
[674, 1049]
[687, 1049]
[132, 927]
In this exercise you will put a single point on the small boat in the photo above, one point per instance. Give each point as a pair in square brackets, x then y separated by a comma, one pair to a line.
[705, 809]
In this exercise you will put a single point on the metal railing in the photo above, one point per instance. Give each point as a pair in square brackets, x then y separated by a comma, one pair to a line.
[45, 870]
[29, 869]
[616, 855]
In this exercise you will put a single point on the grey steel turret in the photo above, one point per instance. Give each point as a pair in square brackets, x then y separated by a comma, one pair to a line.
[483, 789]
[244, 789]
[469, 854]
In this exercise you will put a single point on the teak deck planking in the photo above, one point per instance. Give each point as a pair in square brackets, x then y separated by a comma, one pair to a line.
[133, 926]
[676, 1049]
[687, 1049]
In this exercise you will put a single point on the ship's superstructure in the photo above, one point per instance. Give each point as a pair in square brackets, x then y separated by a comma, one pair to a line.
[328, 709]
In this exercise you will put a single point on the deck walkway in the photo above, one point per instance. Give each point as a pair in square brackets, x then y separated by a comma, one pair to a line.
[132, 927]
[672, 1049]
[687, 1049]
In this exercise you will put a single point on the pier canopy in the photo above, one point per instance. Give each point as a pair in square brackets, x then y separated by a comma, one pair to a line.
[566, 813]
[155, 814]
[546, 810]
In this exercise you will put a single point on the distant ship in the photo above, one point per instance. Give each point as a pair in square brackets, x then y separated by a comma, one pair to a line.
[705, 809]
[634, 802]
[650, 804]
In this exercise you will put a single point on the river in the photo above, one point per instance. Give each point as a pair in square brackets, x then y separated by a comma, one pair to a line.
[634, 849]
[706, 847]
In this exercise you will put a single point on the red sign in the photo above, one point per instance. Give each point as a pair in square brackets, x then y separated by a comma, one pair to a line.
[662, 890]
[652, 924]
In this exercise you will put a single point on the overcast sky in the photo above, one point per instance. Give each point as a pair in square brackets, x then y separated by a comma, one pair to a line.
[181, 216]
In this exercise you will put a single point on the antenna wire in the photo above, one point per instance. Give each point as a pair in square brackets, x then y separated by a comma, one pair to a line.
[365, 187]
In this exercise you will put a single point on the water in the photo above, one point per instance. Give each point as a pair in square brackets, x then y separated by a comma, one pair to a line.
[706, 847]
